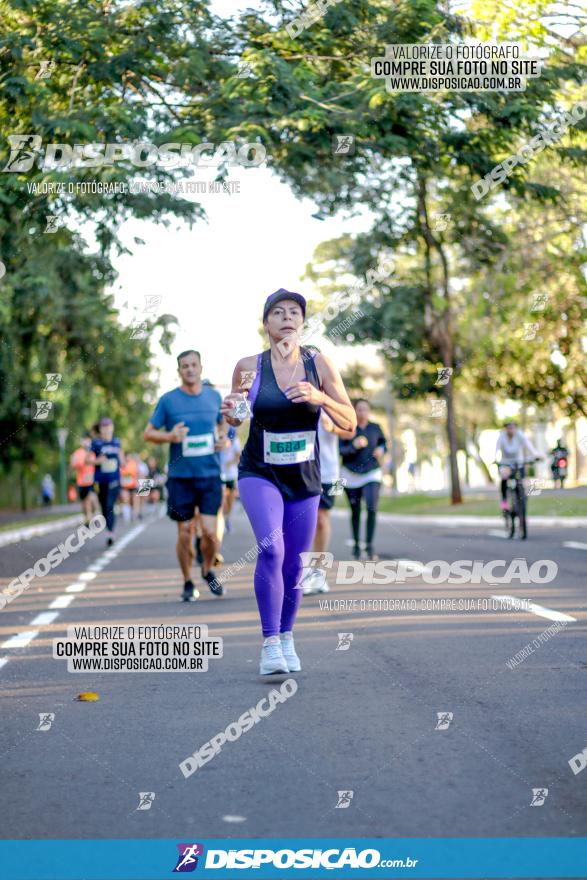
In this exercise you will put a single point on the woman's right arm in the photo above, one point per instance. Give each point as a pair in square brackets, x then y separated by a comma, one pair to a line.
[245, 365]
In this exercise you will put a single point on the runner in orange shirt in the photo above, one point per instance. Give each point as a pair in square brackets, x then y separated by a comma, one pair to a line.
[82, 463]
[129, 483]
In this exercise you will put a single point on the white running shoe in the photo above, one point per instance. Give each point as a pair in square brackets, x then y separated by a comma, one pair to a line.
[272, 660]
[289, 652]
[314, 581]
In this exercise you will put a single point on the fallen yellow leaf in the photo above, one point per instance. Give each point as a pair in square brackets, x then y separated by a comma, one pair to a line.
[88, 697]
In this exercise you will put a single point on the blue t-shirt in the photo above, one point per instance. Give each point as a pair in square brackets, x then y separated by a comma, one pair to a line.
[109, 472]
[195, 457]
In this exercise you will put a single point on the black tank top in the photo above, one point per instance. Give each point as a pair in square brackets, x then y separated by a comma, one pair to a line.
[282, 446]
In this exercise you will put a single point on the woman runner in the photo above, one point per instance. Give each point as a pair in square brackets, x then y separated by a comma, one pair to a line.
[362, 459]
[279, 471]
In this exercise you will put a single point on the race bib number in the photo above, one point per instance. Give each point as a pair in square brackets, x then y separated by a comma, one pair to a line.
[198, 444]
[109, 466]
[288, 448]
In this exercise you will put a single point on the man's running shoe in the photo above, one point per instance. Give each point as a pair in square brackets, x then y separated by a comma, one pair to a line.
[289, 652]
[199, 557]
[314, 581]
[272, 660]
[109, 539]
[371, 555]
[190, 594]
[215, 586]
[218, 559]
[504, 505]
[356, 552]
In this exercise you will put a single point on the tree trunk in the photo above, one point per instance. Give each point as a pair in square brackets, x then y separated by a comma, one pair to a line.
[23, 498]
[439, 327]
[477, 457]
[390, 411]
[451, 433]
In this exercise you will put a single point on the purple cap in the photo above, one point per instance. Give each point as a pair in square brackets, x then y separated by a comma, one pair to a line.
[105, 421]
[280, 295]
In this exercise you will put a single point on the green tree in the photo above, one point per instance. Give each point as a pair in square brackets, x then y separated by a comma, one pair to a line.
[416, 154]
[115, 71]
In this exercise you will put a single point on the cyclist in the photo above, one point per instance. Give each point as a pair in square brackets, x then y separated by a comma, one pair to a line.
[560, 462]
[513, 449]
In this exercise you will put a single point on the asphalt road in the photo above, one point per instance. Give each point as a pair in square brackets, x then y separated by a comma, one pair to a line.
[363, 719]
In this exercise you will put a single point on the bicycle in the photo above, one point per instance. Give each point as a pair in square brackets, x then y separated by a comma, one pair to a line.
[517, 504]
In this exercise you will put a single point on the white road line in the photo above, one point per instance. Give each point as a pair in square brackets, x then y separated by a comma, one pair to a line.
[496, 534]
[575, 545]
[20, 640]
[76, 588]
[62, 602]
[44, 618]
[539, 610]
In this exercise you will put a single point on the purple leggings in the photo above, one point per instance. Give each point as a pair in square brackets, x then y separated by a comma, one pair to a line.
[278, 565]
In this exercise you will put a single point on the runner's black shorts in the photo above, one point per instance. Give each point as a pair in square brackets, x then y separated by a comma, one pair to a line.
[326, 500]
[84, 491]
[230, 484]
[186, 493]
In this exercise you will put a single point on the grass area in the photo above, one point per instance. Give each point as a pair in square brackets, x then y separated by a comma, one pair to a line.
[34, 521]
[560, 504]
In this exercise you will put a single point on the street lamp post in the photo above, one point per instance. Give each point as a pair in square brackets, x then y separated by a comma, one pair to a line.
[61, 438]
[391, 412]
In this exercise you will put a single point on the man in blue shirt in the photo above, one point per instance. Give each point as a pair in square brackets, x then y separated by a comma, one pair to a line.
[189, 419]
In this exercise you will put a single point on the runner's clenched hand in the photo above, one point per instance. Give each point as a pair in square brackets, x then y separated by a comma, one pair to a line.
[305, 392]
[178, 433]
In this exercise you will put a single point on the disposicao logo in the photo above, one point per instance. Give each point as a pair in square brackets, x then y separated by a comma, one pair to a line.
[187, 859]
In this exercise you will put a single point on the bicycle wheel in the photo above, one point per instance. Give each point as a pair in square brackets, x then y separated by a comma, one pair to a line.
[522, 515]
[510, 515]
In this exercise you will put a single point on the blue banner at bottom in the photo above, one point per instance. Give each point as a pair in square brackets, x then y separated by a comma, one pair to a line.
[273, 858]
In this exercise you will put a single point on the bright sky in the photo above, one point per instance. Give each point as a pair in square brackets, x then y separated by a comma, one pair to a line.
[216, 277]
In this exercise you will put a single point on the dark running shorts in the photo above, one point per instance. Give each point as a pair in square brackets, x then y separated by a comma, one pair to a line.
[326, 500]
[84, 491]
[186, 493]
[230, 484]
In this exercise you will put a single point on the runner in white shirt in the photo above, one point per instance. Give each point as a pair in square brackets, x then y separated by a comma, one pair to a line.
[512, 450]
[314, 581]
[229, 459]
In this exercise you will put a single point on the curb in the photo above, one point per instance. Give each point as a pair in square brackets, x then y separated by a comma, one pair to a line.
[455, 522]
[15, 535]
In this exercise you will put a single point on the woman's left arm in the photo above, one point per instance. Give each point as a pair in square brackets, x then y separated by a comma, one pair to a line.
[331, 395]
[336, 401]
